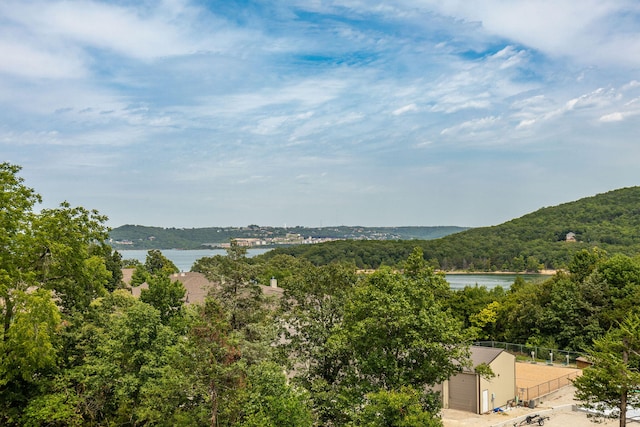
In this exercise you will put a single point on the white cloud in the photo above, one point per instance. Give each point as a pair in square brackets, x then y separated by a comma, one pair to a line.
[596, 99]
[276, 124]
[405, 109]
[368, 95]
[590, 31]
[423, 144]
[526, 123]
[100, 25]
[23, 59]
[472, 126]
[307, 92]
[511, 57]
[613, 117]
[64, 39]
[631, 85]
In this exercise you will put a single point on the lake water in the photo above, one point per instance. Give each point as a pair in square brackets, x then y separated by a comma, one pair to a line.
[184, 259]
[459, 281]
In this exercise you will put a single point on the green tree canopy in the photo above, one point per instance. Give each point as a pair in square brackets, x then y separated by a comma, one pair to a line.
[397, 333]
[611, 385]
[165, 295]
[158, 264]
[48, 269]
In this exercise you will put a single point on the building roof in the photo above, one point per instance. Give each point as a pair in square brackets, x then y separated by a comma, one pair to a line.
[196, 285]
[486, 355]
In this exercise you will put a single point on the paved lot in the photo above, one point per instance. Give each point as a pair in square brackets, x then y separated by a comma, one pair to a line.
[558, 406]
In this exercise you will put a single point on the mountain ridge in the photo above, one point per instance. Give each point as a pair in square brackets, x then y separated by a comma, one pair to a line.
[544, 239]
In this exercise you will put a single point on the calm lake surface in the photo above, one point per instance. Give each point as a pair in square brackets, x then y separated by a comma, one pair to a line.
[184, 259]
[490, 281]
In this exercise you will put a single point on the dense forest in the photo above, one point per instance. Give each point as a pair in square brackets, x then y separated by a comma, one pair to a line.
[535, 241]
[337, 347]
[144, 237]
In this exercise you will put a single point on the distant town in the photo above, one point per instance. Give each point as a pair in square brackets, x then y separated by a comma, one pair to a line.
[288, 239]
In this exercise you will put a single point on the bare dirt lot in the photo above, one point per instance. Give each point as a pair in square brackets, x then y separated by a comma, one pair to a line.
[559, 406]
[534, 380]
[533, 374]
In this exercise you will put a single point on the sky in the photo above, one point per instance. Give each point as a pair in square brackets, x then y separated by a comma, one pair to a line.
[190, 113]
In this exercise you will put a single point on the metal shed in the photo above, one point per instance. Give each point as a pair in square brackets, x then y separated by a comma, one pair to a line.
[468, 391]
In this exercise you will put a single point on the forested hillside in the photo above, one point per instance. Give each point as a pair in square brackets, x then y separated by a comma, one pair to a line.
[538, 240]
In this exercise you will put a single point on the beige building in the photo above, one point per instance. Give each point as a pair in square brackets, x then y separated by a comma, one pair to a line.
[468, 391]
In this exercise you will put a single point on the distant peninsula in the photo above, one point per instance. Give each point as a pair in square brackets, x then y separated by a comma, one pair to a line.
[146, 237]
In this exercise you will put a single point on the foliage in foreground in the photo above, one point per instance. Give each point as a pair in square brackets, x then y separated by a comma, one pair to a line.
[610, 386]
[76, 350]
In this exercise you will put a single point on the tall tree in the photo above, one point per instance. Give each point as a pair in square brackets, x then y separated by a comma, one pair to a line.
[395, 408]
[113, 263]
[156, 263]
[313, 307]
[621, 275]
[213, 365]
[61, 245]
[584, 262]
[29, 350]
[398, 334]
[49, 271]
[271, 402]
[612, 382]
[242, 299]
[165, 295]
[42, 255]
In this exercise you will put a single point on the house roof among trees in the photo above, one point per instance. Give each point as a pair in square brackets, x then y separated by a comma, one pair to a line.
[484, 354]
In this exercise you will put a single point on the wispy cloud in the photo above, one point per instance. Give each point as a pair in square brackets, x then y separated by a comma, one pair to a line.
[318, 111]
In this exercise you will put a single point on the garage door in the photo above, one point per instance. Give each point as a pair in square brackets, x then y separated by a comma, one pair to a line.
[463, 393]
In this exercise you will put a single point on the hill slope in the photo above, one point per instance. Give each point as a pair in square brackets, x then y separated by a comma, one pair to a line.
[537, 240]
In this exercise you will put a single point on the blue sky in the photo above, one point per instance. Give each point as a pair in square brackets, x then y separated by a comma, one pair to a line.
[182, 113]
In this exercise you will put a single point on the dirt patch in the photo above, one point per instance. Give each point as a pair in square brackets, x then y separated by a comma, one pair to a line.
[533, 374]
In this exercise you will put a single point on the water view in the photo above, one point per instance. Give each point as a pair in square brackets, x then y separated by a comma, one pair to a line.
[489, 280]
[184, 260]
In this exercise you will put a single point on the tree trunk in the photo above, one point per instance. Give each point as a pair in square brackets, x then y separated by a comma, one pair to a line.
[623, 393]
[214, 406]
[8, 314]
[623, 409]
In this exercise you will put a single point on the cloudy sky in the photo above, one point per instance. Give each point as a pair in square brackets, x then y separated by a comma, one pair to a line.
[193, 113]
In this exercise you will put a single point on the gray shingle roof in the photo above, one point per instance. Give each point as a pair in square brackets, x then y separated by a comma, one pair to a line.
[484, 354]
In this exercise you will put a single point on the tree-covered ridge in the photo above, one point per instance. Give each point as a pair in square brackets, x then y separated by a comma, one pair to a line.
[538, 240]
[143, 237]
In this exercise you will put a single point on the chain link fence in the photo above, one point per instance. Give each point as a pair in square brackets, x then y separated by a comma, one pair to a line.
[542, 389]
[535, 353]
